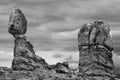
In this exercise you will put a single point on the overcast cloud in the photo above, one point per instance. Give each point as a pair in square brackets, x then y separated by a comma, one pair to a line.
[53, 26]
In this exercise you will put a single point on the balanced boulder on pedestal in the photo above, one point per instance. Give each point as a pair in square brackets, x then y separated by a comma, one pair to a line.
[95, 57]
[24, 55]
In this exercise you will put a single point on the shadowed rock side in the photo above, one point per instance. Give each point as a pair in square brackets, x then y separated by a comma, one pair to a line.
[95, 62]
[95, 50]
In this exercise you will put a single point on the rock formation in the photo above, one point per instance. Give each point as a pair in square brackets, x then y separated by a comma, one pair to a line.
[17, 23]
[24, 55]
[60, 68]
[95, 47]
[95, 50]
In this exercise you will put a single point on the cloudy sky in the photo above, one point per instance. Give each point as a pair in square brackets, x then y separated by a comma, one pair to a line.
[53, 26]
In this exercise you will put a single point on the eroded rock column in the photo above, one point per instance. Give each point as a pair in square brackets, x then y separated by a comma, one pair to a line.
[24, 55]
[95, 50]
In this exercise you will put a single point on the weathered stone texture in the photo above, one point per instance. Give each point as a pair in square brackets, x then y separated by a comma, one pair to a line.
[62, 68]
[24, 55]
[17, 22]
[23, 47]
[95, 50]
[95, 62]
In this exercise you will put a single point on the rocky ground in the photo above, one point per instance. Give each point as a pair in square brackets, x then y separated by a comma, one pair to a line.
[44, 74]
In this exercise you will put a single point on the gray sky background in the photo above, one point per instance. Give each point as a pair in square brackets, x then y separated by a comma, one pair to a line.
[53, 26]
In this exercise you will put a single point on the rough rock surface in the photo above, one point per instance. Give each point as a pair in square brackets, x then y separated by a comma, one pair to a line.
[95, 50]
[60, 68]
[95, 62]
[17, 22]
[24, 55]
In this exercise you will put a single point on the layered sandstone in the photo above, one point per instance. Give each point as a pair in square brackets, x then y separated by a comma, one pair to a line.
[95, 50]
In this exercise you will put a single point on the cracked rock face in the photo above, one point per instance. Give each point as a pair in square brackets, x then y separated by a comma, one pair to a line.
[95, 50]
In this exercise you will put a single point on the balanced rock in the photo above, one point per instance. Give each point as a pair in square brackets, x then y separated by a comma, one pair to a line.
[17, 22]
[24, 55]
[95, 62]
[95, 50]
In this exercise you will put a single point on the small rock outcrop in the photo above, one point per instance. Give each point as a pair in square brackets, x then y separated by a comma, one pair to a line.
[95, 50]
[62, 68]
[24, 55]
